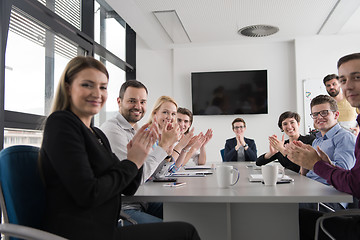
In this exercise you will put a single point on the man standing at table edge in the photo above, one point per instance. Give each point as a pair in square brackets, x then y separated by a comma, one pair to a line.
[343, 180]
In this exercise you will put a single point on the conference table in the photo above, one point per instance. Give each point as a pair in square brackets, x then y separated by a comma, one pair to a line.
[247, 210]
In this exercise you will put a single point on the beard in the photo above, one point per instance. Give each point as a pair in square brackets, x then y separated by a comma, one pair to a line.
[334, 94]
[130, 117]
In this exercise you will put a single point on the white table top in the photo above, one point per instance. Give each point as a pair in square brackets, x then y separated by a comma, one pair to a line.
[205, 189]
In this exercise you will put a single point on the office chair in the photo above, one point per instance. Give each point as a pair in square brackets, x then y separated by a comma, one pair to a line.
[222, 153]
[339, 213]
[12, 230]
[352, 205]
[22, 195]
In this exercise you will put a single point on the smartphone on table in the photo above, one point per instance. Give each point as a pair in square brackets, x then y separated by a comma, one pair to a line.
[165, 180]
[174, 184]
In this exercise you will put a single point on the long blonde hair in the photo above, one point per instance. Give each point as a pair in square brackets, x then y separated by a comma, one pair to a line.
[161, 100]
[61, 100]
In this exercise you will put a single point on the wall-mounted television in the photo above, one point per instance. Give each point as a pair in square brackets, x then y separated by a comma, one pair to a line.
[228, 93]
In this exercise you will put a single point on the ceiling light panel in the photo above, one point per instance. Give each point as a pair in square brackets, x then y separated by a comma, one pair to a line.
[173, 26]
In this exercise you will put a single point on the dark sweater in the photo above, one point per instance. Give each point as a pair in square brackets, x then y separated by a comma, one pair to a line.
[284, 161]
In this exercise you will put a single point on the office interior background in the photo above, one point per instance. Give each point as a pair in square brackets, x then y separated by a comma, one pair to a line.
[127, 36]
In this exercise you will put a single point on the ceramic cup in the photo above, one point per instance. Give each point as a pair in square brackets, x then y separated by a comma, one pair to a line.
[270, 173]
[226, 175]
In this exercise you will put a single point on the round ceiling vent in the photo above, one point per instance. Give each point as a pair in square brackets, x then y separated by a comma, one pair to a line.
[258, 30]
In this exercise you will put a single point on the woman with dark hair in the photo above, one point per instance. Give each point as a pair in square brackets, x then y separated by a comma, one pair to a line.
[84, 180]
[288, 123]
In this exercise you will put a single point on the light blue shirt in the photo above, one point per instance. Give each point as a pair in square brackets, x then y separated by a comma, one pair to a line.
[339, 145]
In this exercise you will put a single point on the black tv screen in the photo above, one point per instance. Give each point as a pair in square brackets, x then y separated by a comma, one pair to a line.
[228, 93]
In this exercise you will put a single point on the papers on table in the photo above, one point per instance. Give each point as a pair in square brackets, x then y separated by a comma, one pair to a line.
[259, 178]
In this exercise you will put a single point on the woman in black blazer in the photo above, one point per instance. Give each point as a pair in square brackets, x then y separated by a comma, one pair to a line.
[84, 179]
[239, 148]
[288, 123]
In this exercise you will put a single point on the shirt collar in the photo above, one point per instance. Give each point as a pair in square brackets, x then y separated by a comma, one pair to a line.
[330, 133]
[124, 123]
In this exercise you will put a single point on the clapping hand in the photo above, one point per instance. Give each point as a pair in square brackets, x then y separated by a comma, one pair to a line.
[169, 136]
[200, 140]
[240, 141]
[276, 143]
[139, 146]
[304, 155]
[185, 139]
[208, 136]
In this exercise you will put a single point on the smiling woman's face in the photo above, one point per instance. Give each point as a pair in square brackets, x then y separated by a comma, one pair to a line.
[88, 93]
[290, 127]
[166, 113]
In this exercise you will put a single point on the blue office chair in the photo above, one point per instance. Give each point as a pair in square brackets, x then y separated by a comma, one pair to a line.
[222, 153]
[22, 195]
[12, 230]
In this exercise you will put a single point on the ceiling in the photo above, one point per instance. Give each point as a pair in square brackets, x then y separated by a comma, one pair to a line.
[217, 21]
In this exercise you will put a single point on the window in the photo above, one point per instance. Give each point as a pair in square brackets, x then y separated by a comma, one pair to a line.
[109, 29]
[116, 79]
[70, 10]
[43, 36]
[35, 58]
[22, 136]
[109, 33]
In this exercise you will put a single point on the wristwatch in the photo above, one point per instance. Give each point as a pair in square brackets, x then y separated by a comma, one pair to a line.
[245, 145]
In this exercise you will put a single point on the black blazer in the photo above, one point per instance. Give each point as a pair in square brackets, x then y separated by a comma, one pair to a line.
[284, 161]
[230, 155]
[84, 179]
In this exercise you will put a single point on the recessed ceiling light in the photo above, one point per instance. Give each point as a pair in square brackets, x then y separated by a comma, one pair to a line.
[173, 26]
[258, 30]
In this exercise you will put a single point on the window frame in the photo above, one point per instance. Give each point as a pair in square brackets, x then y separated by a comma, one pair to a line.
[84, 38]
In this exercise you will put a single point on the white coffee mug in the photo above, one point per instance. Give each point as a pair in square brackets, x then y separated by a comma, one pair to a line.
[270, 173]
[225, 176]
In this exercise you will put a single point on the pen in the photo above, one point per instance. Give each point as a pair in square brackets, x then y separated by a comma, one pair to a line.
[175, 184]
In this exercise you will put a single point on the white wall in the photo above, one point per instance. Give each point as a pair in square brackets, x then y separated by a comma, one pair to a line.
[168, 72]
[154, 69]
[317, 57]
[277, 58]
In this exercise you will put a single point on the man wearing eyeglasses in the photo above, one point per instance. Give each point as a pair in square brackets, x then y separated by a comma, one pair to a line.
[347, 118]
[239, 148]
[336, 142]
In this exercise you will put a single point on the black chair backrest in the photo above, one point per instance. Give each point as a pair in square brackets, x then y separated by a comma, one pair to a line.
[354, 204]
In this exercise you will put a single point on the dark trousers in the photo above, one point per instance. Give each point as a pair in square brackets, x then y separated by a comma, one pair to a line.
[342, 228]
[159, 231]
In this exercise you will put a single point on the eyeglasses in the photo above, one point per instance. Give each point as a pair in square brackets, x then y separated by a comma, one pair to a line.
[239, 127]
[322, 113]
